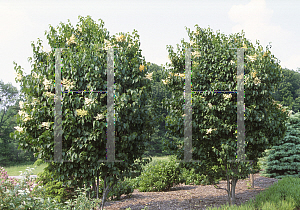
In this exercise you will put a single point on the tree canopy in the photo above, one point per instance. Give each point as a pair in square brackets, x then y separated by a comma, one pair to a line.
[84, 126]
[214, 118]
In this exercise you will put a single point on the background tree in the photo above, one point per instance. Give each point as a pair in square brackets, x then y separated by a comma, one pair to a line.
[288, 92]
[84, 138]
[283, 159]
[9, 152]
[214, 114]
[159, 92]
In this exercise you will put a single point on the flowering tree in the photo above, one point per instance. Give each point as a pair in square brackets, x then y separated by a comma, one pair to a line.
[83, 122]
[214, 118]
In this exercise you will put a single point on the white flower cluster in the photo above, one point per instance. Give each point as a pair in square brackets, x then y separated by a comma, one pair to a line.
[47, 83]
[35, 101]
[88, 101]
[149, 76]
[99, 116]
[21, 104]
[19, 129]
[49, 94]
[68, 84]
[121, 38]
[165, 81]
[227, 96]
[71, 40]
[257, 81]
[81, 112]
[23, 192]
[25, 115]
[252, 58]
[35, 75]
[46, 125]
[196, 54]
[210, 105]
[19, 76]
[107, 44]
[179, 75]
[79, 28]
[208, 131]
[291, 112]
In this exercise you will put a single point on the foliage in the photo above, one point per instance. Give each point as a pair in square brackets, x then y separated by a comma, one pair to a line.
[159, 177]
[23, 195]
[288, 92]
[53, 188]
[189, 177]
[84, 138]
[125, 187]
[159, 92]
[214, 114]
[284, 159]
[9, 153]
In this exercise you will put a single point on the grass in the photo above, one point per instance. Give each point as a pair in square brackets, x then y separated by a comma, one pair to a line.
[15, 170]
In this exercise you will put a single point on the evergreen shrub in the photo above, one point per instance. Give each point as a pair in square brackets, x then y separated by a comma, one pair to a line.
[284, 159]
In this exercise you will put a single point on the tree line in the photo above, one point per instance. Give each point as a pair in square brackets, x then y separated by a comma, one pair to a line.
[288, 94]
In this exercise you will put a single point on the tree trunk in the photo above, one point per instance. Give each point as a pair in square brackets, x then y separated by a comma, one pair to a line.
[106, 190]
[234, 181]
[97, 184]
[88, 192]
[231, 192]
[228, 187]
[94, 187]
[251, 176]
[252, 180]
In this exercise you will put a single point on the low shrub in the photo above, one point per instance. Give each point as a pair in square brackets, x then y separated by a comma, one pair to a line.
[122, 187]
[189, 177]
[53, 188]
[160, 176]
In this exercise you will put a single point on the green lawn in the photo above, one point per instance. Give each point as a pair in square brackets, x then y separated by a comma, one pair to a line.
[15, 170]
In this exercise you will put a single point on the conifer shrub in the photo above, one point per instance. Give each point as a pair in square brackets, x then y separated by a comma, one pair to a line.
[284, 159]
